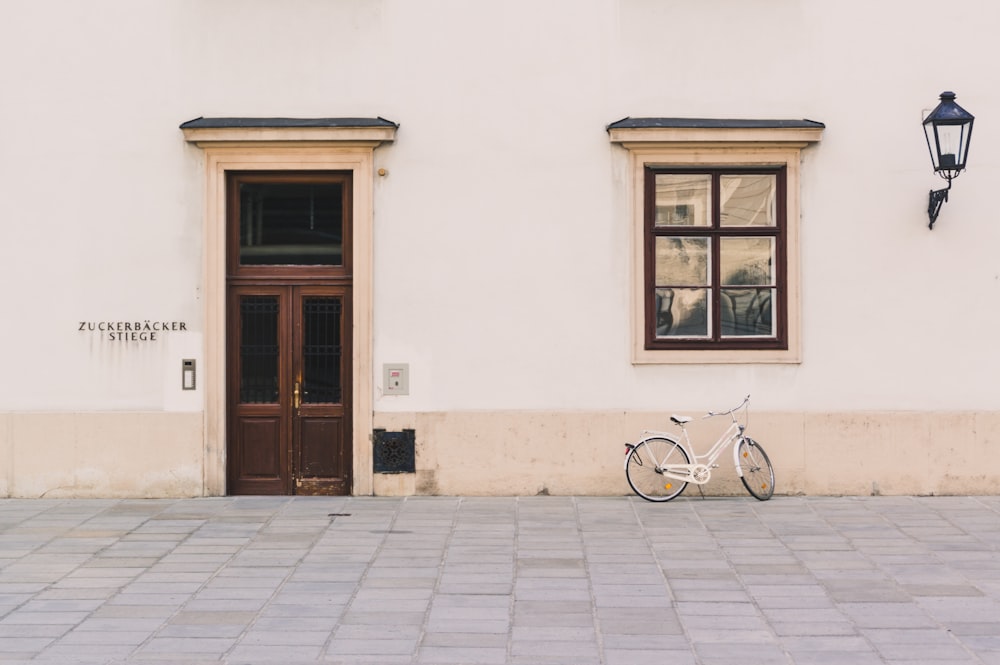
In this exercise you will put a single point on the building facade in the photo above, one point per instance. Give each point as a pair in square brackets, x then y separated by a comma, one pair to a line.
[469, 247]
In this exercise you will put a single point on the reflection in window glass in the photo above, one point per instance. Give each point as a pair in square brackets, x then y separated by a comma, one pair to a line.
[747, 200]
[715, 258]
[682, 261]
[291, 224]
[683, 199]
[747, 261]
[682, 313]
[748, 312]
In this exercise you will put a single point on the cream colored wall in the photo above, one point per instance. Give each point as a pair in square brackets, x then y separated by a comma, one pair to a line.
[573, 453]
[501, 251]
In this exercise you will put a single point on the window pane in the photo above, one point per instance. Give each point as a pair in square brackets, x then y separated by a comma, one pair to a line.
[748, 312]
[681, 261]
[682, 313]
[259, 349]
[748, 200]
[291, 224]
[683, 199]
[321, 350]
[747, 261]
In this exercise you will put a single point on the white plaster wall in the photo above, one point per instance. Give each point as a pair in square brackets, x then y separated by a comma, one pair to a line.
[502, 228]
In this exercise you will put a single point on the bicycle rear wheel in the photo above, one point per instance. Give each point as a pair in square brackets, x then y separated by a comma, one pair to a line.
[757, 474]
[644, 469]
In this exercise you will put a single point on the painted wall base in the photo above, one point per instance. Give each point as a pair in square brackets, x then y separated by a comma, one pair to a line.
[141, 455]
[101, 455]
[395, 484]
[581, 453]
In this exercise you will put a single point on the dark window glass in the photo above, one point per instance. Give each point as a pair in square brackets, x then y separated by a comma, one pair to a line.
[291, 224]
[321, 350]
[259, 349]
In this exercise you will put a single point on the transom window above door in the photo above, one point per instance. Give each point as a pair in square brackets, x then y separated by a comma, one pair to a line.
[289, 219]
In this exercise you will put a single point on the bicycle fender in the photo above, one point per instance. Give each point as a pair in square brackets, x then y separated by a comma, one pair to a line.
[629, 447]
[736, 454]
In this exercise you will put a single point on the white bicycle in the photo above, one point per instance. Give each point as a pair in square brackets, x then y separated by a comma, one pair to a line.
[660, 465]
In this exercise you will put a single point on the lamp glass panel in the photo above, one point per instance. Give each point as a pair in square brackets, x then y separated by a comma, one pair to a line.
[949, 146]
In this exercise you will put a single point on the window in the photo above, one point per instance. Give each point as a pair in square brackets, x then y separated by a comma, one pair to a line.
[714, 259]
[288, 219]
[715, 217]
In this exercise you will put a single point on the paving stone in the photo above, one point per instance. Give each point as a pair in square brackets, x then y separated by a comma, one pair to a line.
[443, 655]
[536, 580]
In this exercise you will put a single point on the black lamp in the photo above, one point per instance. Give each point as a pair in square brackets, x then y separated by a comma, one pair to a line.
[948, 128]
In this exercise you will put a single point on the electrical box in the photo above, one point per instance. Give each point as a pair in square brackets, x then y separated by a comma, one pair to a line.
[396, 379]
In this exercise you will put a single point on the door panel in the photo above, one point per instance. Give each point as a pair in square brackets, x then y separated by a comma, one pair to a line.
[289, 425]
[261, 437]
[320, 453]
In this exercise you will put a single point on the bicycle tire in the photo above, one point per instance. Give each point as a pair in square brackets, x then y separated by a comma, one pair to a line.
[642, 475]
[757, 473]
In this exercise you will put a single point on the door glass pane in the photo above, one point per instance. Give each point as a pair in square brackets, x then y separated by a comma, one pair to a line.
[682, 261]
[747, 261]
[291, 224]
[321, 350]
[259, 349]
[683, 199]
[748, 312]
[682, 313]
[747, 200]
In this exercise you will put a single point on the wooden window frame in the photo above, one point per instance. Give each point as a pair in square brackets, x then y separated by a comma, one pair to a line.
[236, 270]
[715, 231]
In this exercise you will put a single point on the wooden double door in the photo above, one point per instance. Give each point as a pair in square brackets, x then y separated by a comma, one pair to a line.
[289, 359]
[289, 347]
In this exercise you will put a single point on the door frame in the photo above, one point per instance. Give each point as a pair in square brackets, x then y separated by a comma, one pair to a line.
[234, 148]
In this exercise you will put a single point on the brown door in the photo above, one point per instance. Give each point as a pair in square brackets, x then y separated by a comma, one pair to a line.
[289, 425]
[288, 338]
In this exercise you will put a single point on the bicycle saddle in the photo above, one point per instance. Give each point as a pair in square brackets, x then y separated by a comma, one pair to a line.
[680, 420]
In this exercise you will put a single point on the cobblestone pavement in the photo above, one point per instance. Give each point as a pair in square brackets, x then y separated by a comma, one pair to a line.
[534, 581]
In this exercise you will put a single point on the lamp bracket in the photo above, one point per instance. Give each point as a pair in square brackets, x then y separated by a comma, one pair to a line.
[937, 198]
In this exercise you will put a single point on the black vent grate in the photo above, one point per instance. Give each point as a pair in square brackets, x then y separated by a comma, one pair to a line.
[395, 452]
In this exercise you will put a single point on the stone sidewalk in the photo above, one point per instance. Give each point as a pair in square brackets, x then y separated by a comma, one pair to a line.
[534, 581]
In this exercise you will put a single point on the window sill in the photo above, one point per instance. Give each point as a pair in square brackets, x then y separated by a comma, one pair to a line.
[716, 357]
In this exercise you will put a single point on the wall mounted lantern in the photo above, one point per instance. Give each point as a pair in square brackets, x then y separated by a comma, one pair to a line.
[948, 128]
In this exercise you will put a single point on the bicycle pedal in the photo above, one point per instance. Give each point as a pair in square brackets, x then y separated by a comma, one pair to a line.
[714, 466]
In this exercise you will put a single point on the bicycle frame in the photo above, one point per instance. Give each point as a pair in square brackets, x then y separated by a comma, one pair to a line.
[699, 471]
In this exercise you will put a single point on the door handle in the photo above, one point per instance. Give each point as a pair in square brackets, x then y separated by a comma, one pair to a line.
[296, 397]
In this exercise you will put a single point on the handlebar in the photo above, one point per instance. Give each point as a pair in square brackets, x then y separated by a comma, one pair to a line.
[711, 414]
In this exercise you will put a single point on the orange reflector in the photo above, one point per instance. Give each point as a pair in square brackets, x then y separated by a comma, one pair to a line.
[668, 486]
[746, 453]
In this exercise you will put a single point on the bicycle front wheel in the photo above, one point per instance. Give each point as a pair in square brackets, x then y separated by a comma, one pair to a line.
[756, 471]
[644, 469]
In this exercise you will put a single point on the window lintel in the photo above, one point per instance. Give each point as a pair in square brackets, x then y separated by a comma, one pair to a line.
[231, 130]
[633, 132]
